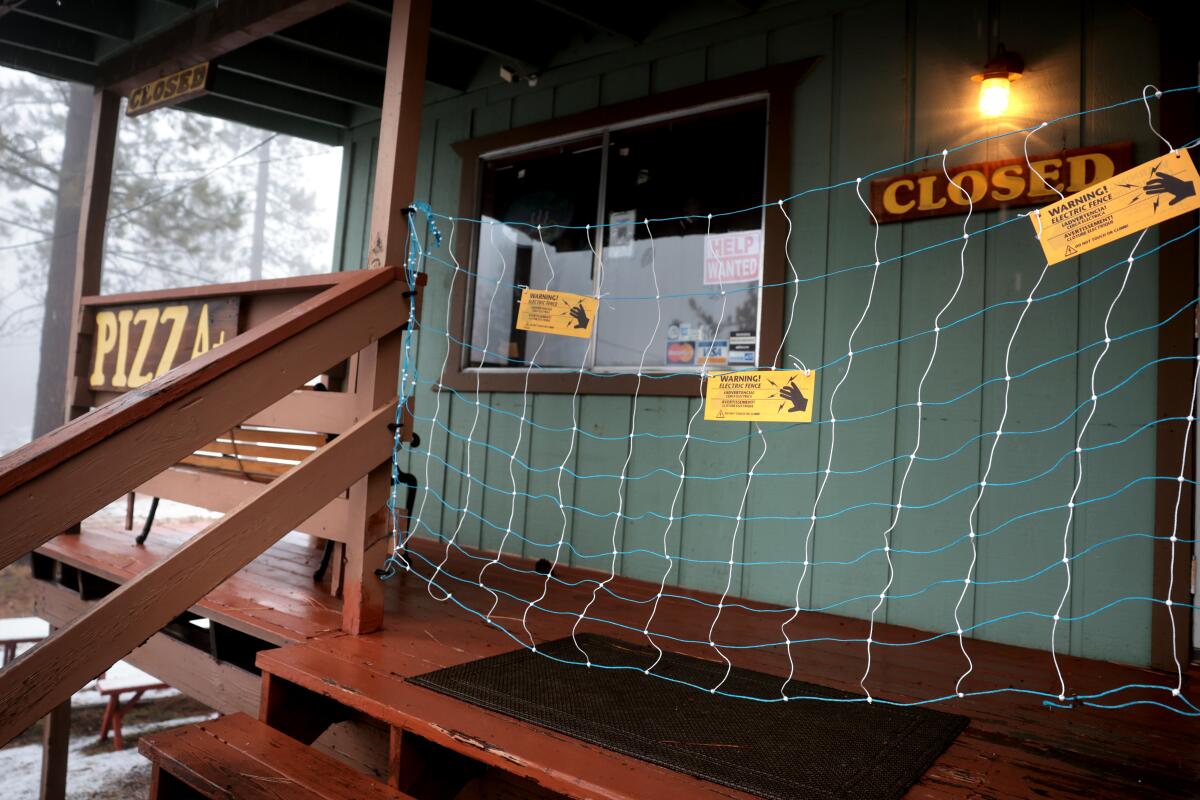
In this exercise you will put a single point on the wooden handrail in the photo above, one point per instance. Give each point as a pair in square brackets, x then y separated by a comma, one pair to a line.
[61, 478]
[55, 669]
[320, 281]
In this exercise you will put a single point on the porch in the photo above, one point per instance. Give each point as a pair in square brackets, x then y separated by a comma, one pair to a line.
[272, 618]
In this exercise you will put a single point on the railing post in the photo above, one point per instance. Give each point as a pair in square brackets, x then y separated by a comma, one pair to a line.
[56, 736]
[379, 365]
[362, 595]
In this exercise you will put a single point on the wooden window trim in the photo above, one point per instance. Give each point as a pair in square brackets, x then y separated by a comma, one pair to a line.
[777, 83]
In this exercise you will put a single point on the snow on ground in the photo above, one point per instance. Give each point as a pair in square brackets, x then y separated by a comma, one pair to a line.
[96, 771]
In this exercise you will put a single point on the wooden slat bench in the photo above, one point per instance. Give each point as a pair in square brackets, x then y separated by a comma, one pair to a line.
[238, 757]
[254, 453]
[259, 453]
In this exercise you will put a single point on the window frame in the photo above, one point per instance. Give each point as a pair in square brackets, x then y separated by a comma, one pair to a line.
[774, 84]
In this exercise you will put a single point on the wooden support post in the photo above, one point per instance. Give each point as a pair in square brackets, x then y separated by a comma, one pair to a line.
[404, 762]
[362, 594]
[89, 253]
[89, 257]
[102, 142]
[56, 736]
[377, 373]
[399, 131]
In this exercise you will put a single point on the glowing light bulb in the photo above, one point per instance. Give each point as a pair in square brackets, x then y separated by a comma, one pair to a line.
[993, 96]
[995, 81]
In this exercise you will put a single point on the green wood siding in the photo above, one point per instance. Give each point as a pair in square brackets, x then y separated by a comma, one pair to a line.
[892, 84]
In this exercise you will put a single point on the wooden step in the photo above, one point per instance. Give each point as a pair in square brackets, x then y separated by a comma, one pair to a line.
[555, 762]
[236, 756]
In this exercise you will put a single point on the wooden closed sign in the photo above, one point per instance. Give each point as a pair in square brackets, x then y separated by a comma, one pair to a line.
[1007, 183]
[168, 90]
[133, 344]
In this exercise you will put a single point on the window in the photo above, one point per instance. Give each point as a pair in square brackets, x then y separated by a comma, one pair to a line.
[591, 181]
[683, 166]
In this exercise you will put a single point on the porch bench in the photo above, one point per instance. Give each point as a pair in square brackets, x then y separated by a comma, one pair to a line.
[254, 453]
[236, 756]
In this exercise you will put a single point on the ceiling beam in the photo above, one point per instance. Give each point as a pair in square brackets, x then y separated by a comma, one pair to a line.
[274, 61]
[626, 20]
[47, 65]
[344, 35]
[273, 97]
[48, 38]
[206, 35]
[111, 21]
[265, 119]
[493, 29]
[451, 65]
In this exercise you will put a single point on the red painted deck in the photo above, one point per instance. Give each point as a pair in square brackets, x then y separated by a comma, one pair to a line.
[1014, 748]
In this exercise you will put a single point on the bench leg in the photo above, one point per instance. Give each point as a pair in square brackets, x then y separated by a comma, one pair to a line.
[129, 510]
[114, 714]
[106, 722]
[10, 652]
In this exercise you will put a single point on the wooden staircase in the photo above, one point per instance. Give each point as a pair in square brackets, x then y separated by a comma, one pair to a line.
[440, 748]
[237, 756]
[55, 482]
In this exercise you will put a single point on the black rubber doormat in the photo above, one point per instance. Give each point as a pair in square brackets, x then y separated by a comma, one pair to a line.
[798, 749]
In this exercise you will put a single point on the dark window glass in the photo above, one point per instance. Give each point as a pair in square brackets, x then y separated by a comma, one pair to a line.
[680, 168]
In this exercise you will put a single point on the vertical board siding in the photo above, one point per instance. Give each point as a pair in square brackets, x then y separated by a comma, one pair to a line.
[1121, 568]
[946, 36]
[892, 84]
[856, 506]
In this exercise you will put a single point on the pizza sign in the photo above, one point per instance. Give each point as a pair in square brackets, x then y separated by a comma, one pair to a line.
[136, 343]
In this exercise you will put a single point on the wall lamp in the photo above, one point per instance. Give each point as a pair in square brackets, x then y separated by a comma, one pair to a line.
[994, 81]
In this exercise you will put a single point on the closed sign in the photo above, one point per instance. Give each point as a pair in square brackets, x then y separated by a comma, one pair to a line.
[168, 90]
[996, 184]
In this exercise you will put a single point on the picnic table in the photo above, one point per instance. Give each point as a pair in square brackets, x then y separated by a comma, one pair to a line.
[122, 679]
[18, 631]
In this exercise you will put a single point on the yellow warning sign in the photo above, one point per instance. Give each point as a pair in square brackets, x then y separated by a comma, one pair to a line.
[763, 395]
[561, 313]
[1127, 203]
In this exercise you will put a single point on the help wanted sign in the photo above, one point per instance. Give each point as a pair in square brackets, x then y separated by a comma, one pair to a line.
[732, 257]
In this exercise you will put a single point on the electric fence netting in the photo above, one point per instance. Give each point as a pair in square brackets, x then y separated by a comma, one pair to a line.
[980, 462]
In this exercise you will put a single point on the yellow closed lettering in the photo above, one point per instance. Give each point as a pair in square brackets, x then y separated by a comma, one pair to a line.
[1102, 168]
[978, 186]
[925, 200]
[891, 202]
[1044, 181]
